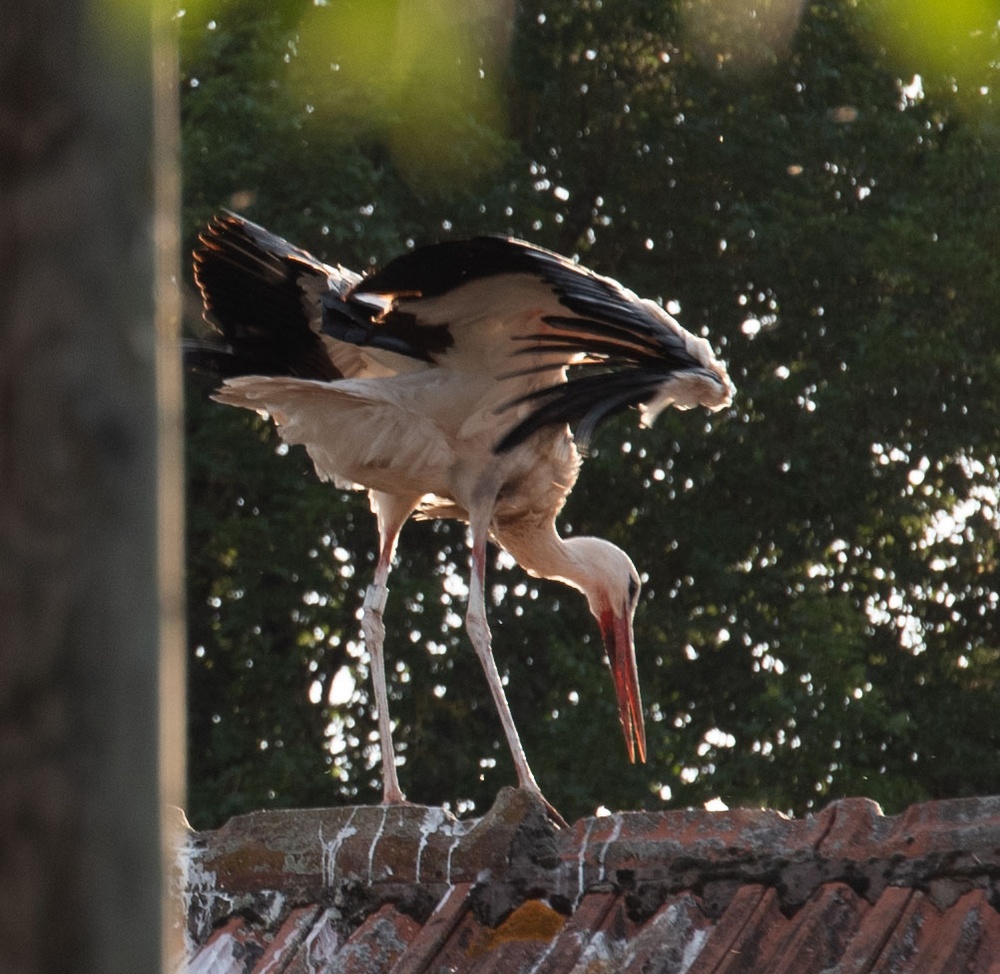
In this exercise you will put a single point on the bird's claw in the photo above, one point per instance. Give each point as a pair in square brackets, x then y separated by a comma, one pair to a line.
[553, 815]
[551, 812]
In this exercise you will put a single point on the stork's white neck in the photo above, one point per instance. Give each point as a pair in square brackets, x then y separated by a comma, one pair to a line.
[540, 551]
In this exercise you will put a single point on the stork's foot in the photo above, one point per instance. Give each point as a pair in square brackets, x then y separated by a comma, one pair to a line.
[553, 815]
[394, 797]
[551, 812]
[392, 794]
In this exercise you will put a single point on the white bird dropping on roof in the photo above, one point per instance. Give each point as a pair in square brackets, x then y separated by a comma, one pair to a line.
[441, 384]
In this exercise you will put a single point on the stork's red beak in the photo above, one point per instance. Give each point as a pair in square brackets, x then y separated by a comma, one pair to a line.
[617, 632]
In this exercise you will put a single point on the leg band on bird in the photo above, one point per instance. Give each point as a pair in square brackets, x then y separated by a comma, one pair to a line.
[376, 597]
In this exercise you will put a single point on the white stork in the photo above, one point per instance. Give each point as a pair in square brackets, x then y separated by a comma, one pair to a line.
[440, 385]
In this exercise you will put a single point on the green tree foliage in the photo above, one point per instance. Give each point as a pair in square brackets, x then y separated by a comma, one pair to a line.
[822, 581]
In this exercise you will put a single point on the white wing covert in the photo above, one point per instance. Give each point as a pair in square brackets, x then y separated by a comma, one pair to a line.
[519, 312]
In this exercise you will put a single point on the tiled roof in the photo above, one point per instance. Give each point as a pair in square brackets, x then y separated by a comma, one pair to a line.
[409, 890]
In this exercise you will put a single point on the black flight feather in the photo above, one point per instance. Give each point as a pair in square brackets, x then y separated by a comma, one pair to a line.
[393, 331]
[583, 402]
[253, 283]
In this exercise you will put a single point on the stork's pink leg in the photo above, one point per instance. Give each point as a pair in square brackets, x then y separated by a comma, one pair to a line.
[392, 513]
[479, 633]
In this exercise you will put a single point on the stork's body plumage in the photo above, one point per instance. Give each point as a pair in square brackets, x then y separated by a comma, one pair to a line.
[440, 385]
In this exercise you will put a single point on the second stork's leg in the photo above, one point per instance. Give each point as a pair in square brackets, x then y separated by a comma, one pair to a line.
[479, 633]
[391, 513]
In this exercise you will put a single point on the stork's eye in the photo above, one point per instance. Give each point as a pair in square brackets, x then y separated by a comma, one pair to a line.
[633, 590]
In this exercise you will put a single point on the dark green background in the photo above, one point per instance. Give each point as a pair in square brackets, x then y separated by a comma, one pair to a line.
[811, 604]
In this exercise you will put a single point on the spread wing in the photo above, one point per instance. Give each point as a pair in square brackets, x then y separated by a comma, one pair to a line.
[266, 300]
[518, 312]
[494, 308]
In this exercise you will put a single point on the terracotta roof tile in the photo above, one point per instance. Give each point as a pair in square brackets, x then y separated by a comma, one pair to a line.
[587, 922]
[409, 890]
[289, 940]
[233, 948]
[315, 951]
[734, 942]
[436, 931]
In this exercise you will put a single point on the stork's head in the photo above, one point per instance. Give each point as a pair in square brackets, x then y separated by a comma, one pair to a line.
[609, 580]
